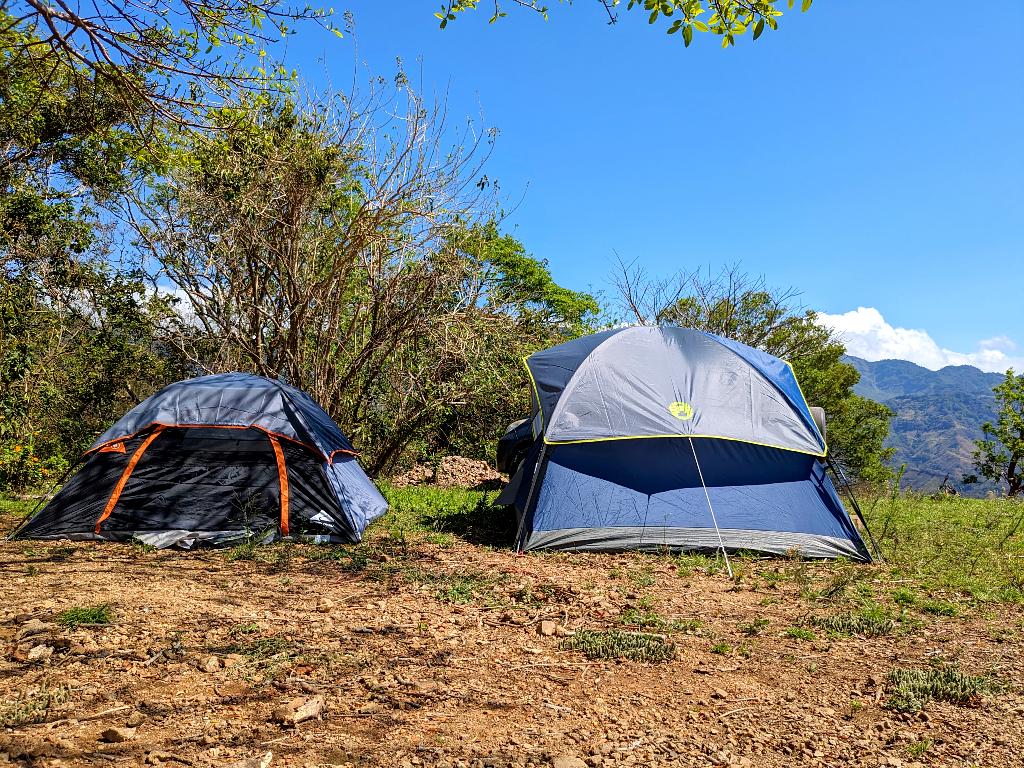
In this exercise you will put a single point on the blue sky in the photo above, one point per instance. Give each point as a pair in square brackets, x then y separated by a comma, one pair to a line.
[870, 154]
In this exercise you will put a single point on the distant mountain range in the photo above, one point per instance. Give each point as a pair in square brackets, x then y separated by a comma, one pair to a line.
[938, 417]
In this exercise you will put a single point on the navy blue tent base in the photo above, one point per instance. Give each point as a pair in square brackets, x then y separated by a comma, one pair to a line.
[646, 494]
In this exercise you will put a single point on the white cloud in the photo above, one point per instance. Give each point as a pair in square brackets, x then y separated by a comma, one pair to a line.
[867, 334]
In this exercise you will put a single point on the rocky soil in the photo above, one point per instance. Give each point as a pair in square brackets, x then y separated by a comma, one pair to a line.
[452, 472]
[447, 654]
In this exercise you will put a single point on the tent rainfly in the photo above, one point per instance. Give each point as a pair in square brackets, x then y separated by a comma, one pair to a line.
[216, 460]
[670, 438]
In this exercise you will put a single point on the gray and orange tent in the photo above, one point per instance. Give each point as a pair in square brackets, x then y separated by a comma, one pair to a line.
[217, 460]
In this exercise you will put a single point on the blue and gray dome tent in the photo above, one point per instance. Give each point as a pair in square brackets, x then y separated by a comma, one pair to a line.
[216, 459]
[650, 438]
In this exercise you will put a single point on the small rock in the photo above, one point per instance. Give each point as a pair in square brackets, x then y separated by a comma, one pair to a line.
[299, 710]
[135, 720]
[40, 653]
[719, 694]
[263, 761]
[212, 664]
[546, 628]
[32, 627]
[116, 735]
[561, 631]
[325, 605]
[567, 761]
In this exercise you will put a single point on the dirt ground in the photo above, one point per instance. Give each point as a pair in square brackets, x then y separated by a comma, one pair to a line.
[431, 653]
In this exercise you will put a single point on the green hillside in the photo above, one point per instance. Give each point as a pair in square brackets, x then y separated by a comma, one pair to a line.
[938, 416]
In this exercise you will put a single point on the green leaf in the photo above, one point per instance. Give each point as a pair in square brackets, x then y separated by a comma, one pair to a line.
[806, 5]
[758, 28]
[700, 25]
[687, 35]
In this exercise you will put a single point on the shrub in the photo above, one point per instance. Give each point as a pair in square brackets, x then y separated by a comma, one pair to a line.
[910, 689]
[614, 644]
[869, 621]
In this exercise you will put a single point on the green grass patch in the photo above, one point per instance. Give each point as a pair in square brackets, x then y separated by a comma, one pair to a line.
[453, 588]
[939, 608]
[971, 546]
[17, 508]
[800, 633]
[722, 649]
[904, 597]
[696, 562]
[614, 644]
[244, 629]
[756, 627]
[87, 616]
[911, 689]
[418, 512]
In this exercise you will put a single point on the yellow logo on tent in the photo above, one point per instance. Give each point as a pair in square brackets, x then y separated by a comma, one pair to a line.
[682, 411]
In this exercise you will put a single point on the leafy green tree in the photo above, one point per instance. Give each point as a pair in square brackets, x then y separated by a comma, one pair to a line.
[728, 19]
[999, 455]
[358, 263]
[734, 305]
[171, 58]
[77, 334]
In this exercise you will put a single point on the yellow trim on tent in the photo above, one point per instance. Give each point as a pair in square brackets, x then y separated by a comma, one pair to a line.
[706, 437]
[536, 395]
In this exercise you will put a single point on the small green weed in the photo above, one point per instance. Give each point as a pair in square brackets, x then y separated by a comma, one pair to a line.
[799, 633]
[139, 547]
[614, 644]
[444, 540]
[911, 689]
[939, 608]
[458, 589]
[87, 616]
[261, 649]
[904, 597]
[691, 562]
[643, 578]
[918, 748]
[244, 629]
[722, 649]
[756, 627]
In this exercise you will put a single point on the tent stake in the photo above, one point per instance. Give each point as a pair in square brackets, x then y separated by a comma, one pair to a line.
[841, 477]
[707, 496]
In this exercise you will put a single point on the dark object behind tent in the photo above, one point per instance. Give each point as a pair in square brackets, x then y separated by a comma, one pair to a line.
[216, 459]
[654, 438]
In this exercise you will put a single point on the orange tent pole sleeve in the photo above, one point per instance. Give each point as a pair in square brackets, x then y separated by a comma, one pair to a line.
[282, 477]
[125, 476]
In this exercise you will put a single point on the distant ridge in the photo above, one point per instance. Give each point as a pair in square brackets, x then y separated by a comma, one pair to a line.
[938, 416]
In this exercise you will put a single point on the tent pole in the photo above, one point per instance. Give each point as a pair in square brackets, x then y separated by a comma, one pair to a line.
[529, 496]
[44, 499]
[841, 477]
[707, 496]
